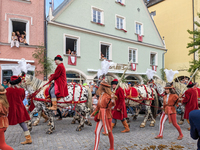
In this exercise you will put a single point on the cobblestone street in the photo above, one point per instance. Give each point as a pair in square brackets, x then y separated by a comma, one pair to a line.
[66, 137]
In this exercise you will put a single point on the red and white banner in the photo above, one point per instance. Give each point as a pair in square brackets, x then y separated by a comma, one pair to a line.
[133, 66]
[154, 68]
[72, 60]
[140, 38]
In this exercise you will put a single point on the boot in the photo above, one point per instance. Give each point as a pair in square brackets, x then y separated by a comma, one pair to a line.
[159, 137]
[54, 107]
[125, 126]
[28, 138]
[45, 117]
[112, 125]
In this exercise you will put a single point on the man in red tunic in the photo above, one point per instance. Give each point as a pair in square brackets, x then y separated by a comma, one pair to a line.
[60, 82]
[17, 111]
[119, 112]
[190, 100]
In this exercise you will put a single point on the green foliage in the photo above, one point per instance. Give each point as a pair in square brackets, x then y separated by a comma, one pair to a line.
[163, 75]
[44, 62]
[194, 46]
[145, 79]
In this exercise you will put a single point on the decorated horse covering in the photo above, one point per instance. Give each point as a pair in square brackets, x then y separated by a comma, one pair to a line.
[131, 92]
[77, 93]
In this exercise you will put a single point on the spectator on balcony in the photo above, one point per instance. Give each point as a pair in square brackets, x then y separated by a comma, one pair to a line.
[5, 84]
[73, 53]
[102, 56]
[69, 52]
[14, 40]
[22, 39]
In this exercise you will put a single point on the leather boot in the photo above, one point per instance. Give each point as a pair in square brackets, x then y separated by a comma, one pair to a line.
[54, 103]
[28, 138]
[112, 125]
[125, 126]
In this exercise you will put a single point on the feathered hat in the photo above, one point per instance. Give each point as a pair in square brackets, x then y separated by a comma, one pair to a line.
[150, 73]
[170, 76]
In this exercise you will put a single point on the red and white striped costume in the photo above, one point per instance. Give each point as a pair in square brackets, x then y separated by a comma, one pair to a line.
[169, 113]
[104, 115]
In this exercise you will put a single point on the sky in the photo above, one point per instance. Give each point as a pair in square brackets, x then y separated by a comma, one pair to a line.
[56, 4]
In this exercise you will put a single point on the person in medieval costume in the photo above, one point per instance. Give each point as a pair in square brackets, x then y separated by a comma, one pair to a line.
[4, 107]
[169, 101]
[119, 112]
[17, 111]
[59, 89]
[105, 103]
[190, 100]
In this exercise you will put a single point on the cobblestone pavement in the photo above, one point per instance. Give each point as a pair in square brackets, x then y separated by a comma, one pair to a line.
[65, 137]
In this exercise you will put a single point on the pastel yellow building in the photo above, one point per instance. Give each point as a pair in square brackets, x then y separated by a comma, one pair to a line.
[173, 18]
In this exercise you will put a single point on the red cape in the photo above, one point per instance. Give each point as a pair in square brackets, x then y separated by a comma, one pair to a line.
[120, 104]
[190, 101]
[60, 81]
[17, 111]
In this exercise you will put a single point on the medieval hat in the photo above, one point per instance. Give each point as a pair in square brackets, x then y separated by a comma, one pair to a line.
[115, 81]
[15, 80]
[58, 57]
[105, 84]
[190, 85]
[169, 86]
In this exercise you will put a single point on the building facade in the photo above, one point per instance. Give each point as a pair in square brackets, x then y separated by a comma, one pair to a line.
[20, 15]
[173, 19]
[116, 30]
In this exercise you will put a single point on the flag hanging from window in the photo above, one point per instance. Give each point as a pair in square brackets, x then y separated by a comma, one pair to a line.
[133, 66]
[154, 68]
[72, 60]
[140, 38]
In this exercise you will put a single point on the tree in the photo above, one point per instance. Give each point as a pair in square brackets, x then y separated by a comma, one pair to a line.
[43, 61]
[194, 46]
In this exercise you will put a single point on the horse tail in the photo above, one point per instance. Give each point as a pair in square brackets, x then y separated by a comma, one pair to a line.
[155, 103]
[89, 101]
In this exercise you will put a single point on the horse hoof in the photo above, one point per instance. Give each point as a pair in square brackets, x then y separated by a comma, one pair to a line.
[90, 124]
[73, 122]
[78, 129]
[35, 124]
[49, 132]
[152, 125]
[49, 124]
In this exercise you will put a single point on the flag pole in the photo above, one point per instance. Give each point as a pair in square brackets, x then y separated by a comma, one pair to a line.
[122, 76]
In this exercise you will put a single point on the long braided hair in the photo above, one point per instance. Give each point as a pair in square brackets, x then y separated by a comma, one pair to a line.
[3, 98]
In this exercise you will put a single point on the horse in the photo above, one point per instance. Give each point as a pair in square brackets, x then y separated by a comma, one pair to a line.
[147, 96]
[79, 96]
[159, 85]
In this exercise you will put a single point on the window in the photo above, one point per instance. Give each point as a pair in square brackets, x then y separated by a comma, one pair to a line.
[120, 22]
[153, 59]
[6, 75]
[20, 25]
[139, 28]
[105, 50]
[72, 45]
[133, 55]
[97, 15]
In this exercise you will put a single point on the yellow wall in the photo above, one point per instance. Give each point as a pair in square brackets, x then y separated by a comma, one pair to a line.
[173, 18]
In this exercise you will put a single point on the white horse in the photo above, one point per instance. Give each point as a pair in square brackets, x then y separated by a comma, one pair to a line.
[81, 99]
[147, 97]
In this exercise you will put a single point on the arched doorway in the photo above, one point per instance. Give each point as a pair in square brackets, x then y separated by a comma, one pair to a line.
[76, 77]
[109, 78]
[132, 79]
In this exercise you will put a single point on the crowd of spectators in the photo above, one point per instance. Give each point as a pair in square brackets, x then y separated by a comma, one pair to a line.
[18, 38]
